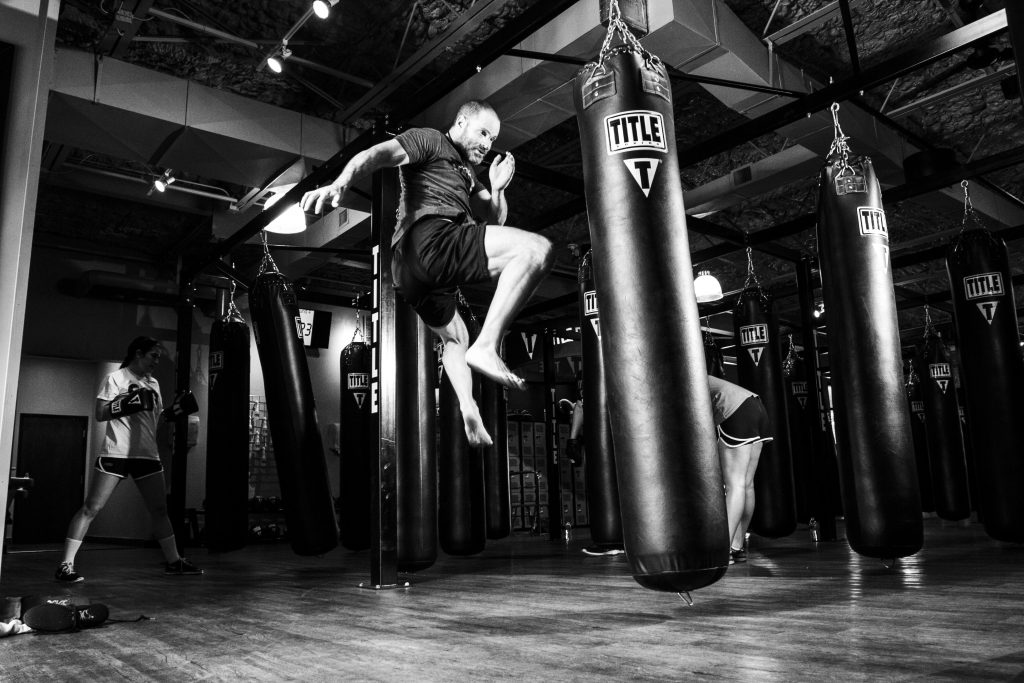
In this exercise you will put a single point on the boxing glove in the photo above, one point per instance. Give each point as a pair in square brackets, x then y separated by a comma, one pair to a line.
[184, 403]
[134, 401]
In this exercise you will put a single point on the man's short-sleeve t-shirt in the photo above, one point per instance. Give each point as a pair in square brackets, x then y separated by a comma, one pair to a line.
[131, 436]
[437, 181]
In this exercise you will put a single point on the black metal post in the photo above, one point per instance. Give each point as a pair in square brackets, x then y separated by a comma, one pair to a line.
[821, 509]
[179, 455]
[556, 519]
[1015, 22]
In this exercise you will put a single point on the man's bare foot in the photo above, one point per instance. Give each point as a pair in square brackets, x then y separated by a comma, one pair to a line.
[489, 364]
[475, 431]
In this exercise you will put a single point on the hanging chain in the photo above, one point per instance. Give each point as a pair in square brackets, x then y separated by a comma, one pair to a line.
[929, 327]
[267, 264]
[789, 362]
[970, 215]
[751, 275]
[912, 378]
[839, 144]
[616, 24]
[358, 332]
[461, 302]
[233, 312]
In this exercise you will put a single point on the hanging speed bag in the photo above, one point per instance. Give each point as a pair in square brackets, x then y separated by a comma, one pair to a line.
[759, 366]
[872, 423]
[801, 414]
[415, 452]
[291, 413]
[942, 431]
[993, 377]
[674, 525]
[497, 492]
[227, 437]
[713, 356]
[357, 444]
[461, 517]
[920, 438]
[602, 487]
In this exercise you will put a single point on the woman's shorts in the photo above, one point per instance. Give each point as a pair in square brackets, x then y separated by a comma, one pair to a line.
[136, 468]
[748, 425]
[434, 257]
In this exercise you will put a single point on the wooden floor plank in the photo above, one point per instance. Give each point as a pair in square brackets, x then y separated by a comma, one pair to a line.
[529, 608]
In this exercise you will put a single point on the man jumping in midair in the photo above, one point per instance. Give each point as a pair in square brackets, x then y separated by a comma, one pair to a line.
[440, 243]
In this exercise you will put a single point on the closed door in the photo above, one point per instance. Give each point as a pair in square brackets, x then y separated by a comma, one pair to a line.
[51, 450]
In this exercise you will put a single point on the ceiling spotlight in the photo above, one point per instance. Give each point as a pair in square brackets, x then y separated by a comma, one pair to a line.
[707, 288]
[161, 183]
[322, 8]
[819, 310]
[276, 61]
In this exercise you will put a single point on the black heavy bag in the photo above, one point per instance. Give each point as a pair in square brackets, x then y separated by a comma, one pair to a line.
[357, 445]
[602, 487]
[674, 525]
[291, 414]
[416, 456]
[227, 437]
[801, 410]
[461, 512]
[872, 423]
[993, 377]
[713, 356]
[920, 437]
[942, 430]
[496, 485]
[759, 366]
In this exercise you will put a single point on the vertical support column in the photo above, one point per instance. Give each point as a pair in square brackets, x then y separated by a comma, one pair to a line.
[821, 508]
[179, 455]
[383, 384]
[1015, 22]
[27, 31]
[556, 517]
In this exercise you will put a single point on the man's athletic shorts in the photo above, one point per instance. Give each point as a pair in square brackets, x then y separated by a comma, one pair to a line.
[136, 468]
[434, 257]
[748, 425]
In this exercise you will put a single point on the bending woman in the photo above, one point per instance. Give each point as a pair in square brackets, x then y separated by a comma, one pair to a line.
[743, 427]
[130, 403]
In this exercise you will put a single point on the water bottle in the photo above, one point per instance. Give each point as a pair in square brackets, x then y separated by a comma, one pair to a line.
[813, 526]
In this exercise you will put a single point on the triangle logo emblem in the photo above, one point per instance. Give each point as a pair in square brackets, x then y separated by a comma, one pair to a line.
[943, 383]
[755, 354]
[988, 309]
[360, 397]
[596, 322]
[643, 171]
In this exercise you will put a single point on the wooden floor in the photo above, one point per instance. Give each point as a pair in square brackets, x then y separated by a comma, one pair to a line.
[531, 609]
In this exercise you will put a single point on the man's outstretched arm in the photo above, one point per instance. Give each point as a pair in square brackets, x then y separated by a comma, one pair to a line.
[388, 154]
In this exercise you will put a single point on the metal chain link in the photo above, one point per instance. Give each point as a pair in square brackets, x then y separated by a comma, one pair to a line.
[912, 378]
[267, 264]
[789, 362]
[929, 326]
[839, 144]
[970, 215]
[751, 275]
[616, 24]
[233, 312]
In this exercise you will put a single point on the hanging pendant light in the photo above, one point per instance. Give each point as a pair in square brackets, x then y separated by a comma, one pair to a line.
[293, 220]
[707, 287]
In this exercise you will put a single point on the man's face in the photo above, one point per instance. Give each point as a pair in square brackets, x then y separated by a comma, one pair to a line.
[474, 135]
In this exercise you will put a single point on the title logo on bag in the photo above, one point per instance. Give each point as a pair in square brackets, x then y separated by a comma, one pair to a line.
[635, 130]
[359, 385]
[941, 374]
[917, 408]
[984, 285]
[643, 171]
[799, 390]
[590, 311]
[754, 336]
[872, 221]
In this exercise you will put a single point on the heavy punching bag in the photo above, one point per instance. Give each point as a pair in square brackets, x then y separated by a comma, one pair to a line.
[920, 437]
[602, 487]
[802, 412]
[674, 524]
[759, 366]
[992, 377]
[713, 356]
[357, 444]
[461, 510]
[942, 430]
[872, 423]
[416, 460]
[227, 438]
[291, 413]
[497, 496]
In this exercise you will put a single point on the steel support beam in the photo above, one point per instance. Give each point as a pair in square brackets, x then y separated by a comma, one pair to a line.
[1015, 20]
[904, 63]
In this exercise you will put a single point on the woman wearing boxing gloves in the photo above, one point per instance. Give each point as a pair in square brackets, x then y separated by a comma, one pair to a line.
[130, 403]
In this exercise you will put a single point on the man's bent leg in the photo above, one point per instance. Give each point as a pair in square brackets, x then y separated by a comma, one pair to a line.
[455, 337]
[520, 260]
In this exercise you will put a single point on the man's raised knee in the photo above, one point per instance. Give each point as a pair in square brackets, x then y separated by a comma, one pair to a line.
[543, 253]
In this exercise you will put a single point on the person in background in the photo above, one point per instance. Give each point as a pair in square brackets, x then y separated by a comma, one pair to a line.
[130, 404]
[743, 427]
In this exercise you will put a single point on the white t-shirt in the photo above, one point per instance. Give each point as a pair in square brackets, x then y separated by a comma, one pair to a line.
[131, 436]
[726, 397]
